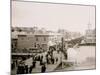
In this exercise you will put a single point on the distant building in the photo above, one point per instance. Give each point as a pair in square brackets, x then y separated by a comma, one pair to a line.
[90, 36]
[34, 38]
[32, 41]
[14, 40]
[41, 41]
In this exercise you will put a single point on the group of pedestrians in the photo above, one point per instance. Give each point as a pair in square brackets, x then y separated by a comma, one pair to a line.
[23, 68]
[44, 59]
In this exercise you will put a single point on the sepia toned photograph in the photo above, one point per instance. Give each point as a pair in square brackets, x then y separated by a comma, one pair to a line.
[52, 37]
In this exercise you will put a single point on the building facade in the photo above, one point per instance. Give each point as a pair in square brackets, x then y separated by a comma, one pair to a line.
[90, 36]
[32, 41]
[40, 41]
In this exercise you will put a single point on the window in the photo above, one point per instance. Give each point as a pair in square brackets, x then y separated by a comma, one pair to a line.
[35, 45]
[44, 39]
[36, 38]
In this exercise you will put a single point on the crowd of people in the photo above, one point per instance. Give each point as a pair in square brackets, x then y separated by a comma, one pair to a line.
[45, 58]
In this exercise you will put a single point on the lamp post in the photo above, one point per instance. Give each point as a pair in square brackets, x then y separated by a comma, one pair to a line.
[62, 41]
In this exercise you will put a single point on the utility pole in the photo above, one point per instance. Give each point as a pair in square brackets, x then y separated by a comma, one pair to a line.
[62, 49]
[62, 40]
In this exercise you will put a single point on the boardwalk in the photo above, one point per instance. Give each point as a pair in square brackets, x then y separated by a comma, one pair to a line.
[49, 67]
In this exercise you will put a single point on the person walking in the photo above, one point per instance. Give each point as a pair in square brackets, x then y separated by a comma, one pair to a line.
[34, 63]
[26, 69]
[30, 69]
[43, 68]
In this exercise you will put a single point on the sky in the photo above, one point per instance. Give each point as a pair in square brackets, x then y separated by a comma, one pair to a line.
[53, 16]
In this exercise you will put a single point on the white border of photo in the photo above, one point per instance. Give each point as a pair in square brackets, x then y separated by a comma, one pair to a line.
[5, 37]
